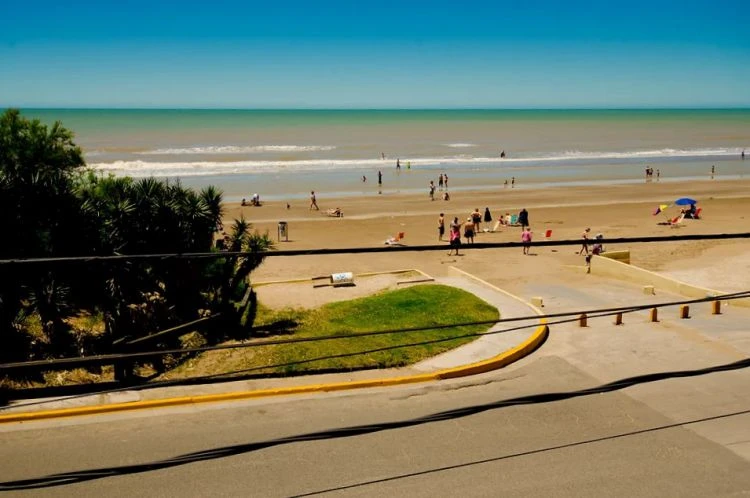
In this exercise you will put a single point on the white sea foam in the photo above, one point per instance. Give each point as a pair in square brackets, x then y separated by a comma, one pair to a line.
[459, 145]
[236, 149]
[140, 168]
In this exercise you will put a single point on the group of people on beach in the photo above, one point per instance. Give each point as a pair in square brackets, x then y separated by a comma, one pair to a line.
[254, 201]
[596, 249]
[650, 173]
[442, 183]
[472, 226]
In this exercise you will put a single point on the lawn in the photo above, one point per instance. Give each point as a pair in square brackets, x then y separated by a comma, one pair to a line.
[418, 306]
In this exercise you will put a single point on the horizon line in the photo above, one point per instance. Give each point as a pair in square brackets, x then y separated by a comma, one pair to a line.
[185, 108]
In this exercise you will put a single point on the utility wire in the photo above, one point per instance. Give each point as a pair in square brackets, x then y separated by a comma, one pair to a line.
[360, 250]
[228, 375]
[274, 342]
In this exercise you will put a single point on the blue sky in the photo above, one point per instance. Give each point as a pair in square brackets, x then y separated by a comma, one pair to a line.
[375, 54]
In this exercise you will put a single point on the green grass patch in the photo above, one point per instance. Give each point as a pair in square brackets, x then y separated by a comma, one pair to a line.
[418, 306]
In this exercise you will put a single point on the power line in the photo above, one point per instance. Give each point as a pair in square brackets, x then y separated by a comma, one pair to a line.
[591, 313]
[361, 250]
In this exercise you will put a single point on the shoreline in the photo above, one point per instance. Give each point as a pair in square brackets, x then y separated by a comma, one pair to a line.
[288, 186]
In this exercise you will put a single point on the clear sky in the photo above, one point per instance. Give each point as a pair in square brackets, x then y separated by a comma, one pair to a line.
[375, 54]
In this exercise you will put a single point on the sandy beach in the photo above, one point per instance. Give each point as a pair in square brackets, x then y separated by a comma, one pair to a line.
[615, 211]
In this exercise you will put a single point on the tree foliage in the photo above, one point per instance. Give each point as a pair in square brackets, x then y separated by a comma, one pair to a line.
[50, 205]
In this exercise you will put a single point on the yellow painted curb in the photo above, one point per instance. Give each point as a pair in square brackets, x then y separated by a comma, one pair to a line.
[503, 359]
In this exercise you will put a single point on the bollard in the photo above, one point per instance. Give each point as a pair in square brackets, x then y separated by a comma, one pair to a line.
[654, 314]
[618, 319]
[583, 320]
[684, 311]
[716, 307]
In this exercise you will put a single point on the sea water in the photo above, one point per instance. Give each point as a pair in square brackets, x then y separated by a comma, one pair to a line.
[283, 154]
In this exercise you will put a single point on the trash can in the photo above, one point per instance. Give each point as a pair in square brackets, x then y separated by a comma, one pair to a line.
[283, 231]
[339, 279]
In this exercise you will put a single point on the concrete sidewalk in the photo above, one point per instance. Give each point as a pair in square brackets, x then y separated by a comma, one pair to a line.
[607, 353]
[484, 348]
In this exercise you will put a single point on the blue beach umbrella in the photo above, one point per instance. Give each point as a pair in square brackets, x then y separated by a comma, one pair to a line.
[685, 201]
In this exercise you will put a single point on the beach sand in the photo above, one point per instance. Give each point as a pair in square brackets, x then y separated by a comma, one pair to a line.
[616, 211]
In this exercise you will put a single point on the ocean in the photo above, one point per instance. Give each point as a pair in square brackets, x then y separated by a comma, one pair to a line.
[284, 154]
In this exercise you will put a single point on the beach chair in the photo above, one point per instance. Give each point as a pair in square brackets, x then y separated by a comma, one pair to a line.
[395, 241]
[513, 220]
[677, 221]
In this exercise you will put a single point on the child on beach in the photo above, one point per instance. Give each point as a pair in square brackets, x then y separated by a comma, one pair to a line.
[526, 240]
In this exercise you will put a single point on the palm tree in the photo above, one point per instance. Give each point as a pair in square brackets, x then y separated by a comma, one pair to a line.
[37, 166]
[234, 274]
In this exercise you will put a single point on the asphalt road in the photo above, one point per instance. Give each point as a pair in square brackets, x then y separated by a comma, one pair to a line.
[559, 423]
[590, 445]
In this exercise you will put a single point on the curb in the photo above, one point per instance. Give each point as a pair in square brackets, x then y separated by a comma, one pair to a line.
[503, 359]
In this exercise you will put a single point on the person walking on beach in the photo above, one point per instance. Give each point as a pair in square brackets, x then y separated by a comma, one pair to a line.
[398, 164]
[382, 156]
[432, 190]
[658, 174]
[487, 217]
[380, 177]
[313, 201]
[408, 164]
[445, 180]
[585, 242]
[713, 171]
[440, 181]
[441, 226]
[455, 236]
[526, 240]
[364, 179]
[505, 185]
[523, 218]
[513, 182]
